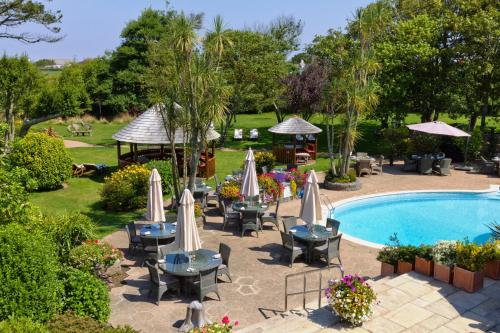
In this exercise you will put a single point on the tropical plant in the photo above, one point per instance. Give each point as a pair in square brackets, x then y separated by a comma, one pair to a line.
[473, 257]
[230, 190]
[445, 252]
[264, 159]
[85, 295]
[225, 326]
[424, 252]
[406, 253]
[127, 188]
[29, 273]
[388, 255]
[44, 158]
[94, 256]
[351, 298]
[495, 230]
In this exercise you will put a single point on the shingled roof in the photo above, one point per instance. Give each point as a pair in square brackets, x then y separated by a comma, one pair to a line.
[148, 129]
[295, 125]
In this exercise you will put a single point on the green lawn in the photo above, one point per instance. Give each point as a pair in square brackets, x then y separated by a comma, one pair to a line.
[82, 194]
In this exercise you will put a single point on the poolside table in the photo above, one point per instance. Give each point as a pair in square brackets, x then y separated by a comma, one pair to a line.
[154, 231]
[319, 234]
[177, 263]
[246, 206]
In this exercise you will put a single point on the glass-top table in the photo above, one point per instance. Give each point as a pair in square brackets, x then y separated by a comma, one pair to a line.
[154, 230]
[318, 234]
[246, 206]
[177, 263]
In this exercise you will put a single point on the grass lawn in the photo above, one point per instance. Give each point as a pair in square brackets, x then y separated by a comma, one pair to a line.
[82, 194]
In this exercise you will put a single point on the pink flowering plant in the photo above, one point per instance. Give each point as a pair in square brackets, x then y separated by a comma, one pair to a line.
[351, 298]
[225, 326]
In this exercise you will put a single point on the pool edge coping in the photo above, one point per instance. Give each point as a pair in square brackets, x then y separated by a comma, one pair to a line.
[492, 188]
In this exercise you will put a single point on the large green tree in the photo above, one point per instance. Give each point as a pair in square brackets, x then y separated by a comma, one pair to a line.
[16, 13]
[98, 82]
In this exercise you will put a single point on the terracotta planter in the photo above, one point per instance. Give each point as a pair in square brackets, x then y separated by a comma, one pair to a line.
[443, 273]
[387, 269]
[404, 267]
[492, 270]
[467, 280]
[423, 266]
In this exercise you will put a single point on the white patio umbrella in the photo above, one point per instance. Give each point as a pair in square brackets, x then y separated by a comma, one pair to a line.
[249, 185]
[186, 232]
[310, 211]
[155, 210]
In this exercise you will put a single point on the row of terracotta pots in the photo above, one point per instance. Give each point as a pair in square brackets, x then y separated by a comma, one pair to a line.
[461, 278]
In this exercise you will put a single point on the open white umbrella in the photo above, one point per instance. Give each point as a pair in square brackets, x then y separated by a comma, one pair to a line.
[438, 128]
[155, 210]
[186, 232]
[250, 185]
[310, 211]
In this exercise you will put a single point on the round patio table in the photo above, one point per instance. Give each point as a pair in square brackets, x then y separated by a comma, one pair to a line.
[177, 263]
[154, 231]
[247, 207]
[319, 234]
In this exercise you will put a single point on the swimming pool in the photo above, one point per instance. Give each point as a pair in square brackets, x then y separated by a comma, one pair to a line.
[420, 217]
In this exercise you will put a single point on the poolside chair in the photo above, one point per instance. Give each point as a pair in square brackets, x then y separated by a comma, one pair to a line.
[230, 216]
[250, 221]
[330, 250]
[334, 224]
[225, 252]
[293, 249]
[207, 283]
[361, 154]
[160, 284]
[377, 166]
[443, 167]
[134, 241]
[163, 250]
[238, 134]
[150, 248]
[409, 165]
[364, 167]
[425, 166]
[486, 167]
[288, 223]
[254, 134]
[271, 217]
[199, 196]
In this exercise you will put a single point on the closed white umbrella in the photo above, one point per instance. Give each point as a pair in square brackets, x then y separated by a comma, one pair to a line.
[186, 232]
[310, 211]
[155, 210]
[249, 185]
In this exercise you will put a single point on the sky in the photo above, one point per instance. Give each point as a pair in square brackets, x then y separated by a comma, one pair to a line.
[93, 26]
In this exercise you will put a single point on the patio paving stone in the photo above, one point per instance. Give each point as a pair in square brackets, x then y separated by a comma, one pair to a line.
[408, 315]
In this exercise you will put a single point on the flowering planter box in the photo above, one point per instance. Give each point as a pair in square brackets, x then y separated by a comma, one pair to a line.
[423, 266]
[492, 270]
[404, 267]
[467, 280]
[443, 273]
[387, 269]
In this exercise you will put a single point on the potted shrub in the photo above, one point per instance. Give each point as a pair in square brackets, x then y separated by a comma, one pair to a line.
[470, 261]
[198, 214]
[388, 260]
[423, 260]
[444, 254]
[351, 298]
[229, 192]
[492, 267]
[406, 258]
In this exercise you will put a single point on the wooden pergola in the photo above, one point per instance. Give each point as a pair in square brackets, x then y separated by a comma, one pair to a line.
[148, 140]
[301, 144]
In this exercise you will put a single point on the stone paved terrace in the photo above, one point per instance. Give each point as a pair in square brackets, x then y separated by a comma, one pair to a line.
[406, 303]
[257, 266]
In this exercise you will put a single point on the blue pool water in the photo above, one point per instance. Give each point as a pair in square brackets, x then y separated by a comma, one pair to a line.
[420, 218]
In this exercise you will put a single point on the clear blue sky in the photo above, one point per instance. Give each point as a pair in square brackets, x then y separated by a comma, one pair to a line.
[93, 26]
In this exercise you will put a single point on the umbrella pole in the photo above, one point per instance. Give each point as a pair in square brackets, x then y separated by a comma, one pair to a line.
[466, 149]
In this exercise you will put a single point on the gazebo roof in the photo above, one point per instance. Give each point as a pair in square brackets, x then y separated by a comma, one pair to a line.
[295, 125]
[148, 129]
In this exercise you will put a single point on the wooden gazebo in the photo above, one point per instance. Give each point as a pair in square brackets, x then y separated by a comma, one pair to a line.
[148, 140]
[300, 145]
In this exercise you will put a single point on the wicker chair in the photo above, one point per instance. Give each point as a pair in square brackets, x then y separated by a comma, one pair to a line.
[364, 167]
[361, 154]
[159, 285]
[330, 250]
[377, 166]
[409, 165]
[207, 283]
[200, 197]
[271, 217]
[293, 250]
[250, 221]
[134, 241]
[425, 167]
[150, 248]
[225, 252]
[443, 168]
[163, 250]
[334, 224]
[288, 223]
[486, 167]
[230, 216]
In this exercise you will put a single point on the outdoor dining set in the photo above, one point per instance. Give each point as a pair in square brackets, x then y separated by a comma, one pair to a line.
[428, 164]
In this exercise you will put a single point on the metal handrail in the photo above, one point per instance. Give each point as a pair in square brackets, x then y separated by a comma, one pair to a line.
[306, 291]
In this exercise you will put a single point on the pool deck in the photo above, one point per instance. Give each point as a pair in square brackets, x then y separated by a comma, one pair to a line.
[258, 267]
